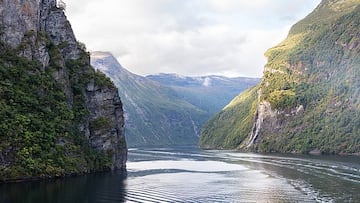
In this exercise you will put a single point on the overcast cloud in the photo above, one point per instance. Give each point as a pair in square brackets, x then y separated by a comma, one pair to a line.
[188, 37]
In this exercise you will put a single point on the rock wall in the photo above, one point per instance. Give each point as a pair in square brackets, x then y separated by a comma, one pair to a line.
[21, 17]
[27, 27]
[104, 105]
[17, 18]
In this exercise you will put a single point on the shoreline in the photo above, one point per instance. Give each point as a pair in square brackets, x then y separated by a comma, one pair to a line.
[55, 178]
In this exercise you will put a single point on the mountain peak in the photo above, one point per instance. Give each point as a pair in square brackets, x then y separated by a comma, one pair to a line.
[101, 54]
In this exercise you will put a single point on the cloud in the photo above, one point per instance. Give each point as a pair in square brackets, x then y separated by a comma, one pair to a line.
[189, 37]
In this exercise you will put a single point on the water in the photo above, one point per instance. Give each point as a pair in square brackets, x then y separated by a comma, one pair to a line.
[191, 175]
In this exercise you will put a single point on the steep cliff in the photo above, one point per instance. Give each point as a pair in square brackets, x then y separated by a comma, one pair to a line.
[308, 100]
[59, 116]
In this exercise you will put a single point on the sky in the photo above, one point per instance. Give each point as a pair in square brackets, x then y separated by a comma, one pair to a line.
[186, 37]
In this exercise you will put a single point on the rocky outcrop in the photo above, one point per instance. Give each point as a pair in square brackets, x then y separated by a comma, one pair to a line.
[38, 31]
[263, 113]
[20, 17]
[270, 121]
[104, 126]
[55, 24]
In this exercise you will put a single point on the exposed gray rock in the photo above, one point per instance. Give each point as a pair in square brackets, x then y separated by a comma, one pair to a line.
[17, 18]
[105, 108]
[54, 22]
[21, 17]
[29, 27]
[270, 119]
[264, 113]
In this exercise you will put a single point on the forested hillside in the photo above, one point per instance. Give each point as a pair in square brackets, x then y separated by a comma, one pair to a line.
[308, 100]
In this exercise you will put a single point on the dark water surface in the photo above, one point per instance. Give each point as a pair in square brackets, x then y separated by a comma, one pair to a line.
[191, 175]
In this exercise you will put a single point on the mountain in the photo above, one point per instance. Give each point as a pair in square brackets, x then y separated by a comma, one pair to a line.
[59, 116]
[155, 115]
[210, 93]
[309, 98]
[167, 109]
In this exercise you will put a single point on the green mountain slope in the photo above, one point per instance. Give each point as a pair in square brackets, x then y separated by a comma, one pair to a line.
[155, 115]
[238, 113]
[210, 93]
[168, 109]
[308, 99]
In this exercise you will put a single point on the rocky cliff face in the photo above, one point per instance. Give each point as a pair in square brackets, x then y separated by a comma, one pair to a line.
[104, 126]
[37, 31]
[308, 99]
[21, 17]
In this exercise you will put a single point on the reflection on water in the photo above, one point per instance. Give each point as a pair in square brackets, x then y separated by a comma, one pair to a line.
[192, 175]
[89, 188]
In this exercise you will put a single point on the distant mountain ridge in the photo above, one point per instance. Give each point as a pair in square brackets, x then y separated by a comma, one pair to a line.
[165, 109]
[154, 114]
[210, 93]
[173, 79]
[309, 98]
